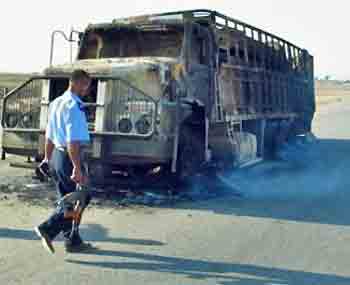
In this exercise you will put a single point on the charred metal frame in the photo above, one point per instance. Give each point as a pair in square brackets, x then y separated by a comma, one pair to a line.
[69, 39]
[272, 62]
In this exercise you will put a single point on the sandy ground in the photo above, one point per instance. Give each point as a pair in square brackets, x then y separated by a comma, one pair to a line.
[290, 227]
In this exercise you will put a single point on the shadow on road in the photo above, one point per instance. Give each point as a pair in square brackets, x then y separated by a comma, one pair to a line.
[198, 269]
[90, 232]
[311, 185]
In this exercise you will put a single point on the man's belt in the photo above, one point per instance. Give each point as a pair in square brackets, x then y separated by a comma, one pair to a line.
[61, 148]
[83, 151]
[83, 148]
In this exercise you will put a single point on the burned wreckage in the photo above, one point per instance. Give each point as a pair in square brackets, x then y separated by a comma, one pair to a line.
[171, 92]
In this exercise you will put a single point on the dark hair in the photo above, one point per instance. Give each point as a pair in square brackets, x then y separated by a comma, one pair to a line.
[79, 74]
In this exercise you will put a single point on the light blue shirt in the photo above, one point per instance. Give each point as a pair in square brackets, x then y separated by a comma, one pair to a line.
[67, 121]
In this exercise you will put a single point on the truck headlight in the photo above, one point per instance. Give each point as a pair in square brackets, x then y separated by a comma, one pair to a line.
[26, 120]
[143, 124]
[11, 120]
[125, 125]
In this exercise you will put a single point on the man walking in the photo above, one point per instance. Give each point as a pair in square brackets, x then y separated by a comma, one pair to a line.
[66, 135]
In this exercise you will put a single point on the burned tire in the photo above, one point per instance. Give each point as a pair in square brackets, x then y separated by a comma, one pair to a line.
[99, 173]
[190, 154]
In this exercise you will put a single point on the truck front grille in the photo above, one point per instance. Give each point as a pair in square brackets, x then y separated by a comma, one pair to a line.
[130, 111]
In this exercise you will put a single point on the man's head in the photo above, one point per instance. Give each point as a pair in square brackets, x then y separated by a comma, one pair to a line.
[80, 82]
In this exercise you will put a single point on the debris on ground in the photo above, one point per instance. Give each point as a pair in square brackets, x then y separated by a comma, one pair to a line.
[28, 190]
[208, 185]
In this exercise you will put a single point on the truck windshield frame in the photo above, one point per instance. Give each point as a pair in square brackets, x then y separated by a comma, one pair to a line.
[132, 41]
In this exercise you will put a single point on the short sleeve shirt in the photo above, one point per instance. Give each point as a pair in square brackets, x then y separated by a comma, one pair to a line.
[67, 121]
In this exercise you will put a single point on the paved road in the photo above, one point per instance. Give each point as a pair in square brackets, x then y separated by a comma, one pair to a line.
[291, 227]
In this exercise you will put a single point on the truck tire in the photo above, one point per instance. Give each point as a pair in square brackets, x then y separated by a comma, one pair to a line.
[190, 154]
[99, 172]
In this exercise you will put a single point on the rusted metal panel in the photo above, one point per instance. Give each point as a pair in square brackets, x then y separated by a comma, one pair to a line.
[27, 141]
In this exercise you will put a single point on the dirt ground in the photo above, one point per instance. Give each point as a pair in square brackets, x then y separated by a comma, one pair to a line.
[289, 226]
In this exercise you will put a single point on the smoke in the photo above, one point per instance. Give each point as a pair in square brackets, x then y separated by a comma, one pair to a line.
[302, 170]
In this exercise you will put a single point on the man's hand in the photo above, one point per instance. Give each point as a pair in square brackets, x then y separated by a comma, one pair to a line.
[78, 176]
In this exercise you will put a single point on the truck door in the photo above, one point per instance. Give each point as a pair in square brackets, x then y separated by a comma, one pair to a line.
[21, 113]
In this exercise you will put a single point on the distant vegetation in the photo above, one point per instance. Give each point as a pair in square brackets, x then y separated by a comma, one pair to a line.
[332, 88]
[340, 83]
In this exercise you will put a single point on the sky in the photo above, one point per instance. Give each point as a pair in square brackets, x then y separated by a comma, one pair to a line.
[321, 27]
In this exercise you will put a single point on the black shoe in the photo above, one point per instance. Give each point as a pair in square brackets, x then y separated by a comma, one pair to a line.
[81, 247]
[45, 240]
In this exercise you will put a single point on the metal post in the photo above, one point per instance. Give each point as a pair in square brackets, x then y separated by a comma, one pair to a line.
[68, 39]
[206, 150]
[2, 95]
[177, 131]
[261, 151]
[71, 45]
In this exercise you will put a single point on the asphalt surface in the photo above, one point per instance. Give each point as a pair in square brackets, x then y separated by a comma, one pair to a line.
[290, 227]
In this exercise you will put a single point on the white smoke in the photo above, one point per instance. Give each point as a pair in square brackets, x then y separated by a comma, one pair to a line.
[303, 170]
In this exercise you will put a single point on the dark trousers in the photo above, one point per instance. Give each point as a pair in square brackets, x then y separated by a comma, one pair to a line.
[61, 167]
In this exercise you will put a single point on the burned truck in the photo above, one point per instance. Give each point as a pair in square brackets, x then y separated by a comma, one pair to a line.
[171, 92]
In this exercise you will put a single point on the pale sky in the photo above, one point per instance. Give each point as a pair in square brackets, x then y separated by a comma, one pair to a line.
[321, 27]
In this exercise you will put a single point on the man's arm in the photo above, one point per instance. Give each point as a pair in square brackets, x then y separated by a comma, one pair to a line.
[73, 149]
[49, 147]
[76, 133]
[74, 154]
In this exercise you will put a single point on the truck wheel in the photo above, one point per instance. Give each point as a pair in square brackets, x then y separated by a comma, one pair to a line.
[99, 173]
[190, 154]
